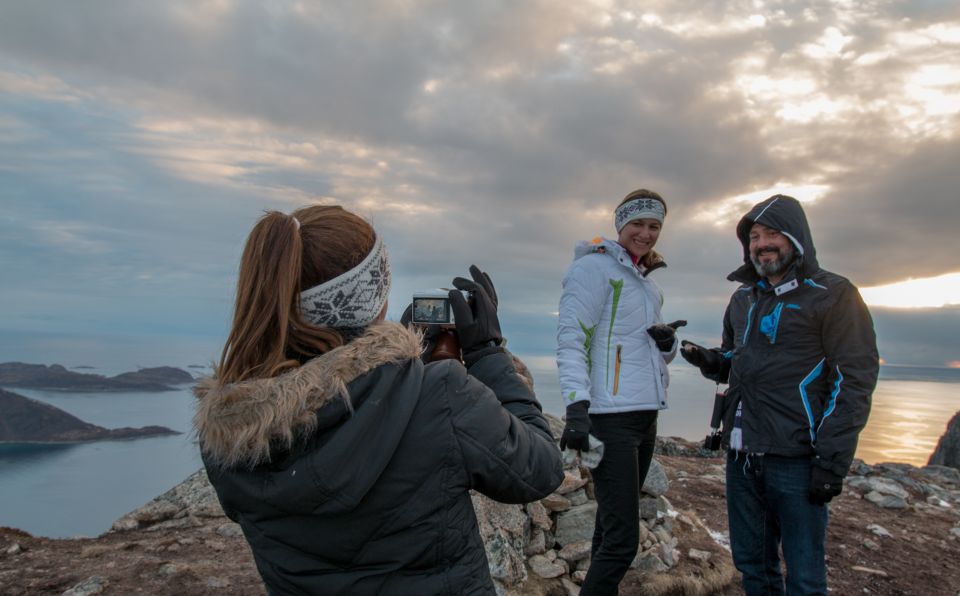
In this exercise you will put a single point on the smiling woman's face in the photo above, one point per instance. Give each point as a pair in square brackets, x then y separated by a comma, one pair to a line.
[639, 236]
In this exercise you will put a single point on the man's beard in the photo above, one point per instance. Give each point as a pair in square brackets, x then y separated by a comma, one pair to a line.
[774, 267]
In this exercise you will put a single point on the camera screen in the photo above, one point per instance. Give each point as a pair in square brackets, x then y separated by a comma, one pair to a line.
[431, 310]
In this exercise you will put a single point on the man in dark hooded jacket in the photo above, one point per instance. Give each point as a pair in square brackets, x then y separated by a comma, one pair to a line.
[799, 352]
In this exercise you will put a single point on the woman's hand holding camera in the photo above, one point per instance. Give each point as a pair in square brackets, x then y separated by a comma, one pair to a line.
[477, 324]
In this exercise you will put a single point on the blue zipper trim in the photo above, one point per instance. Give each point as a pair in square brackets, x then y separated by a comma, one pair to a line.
[749, 321]
[814, 284]
[811, 377]
[832, 404]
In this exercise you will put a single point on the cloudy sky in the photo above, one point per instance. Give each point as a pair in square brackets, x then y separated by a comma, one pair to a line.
[140, 140]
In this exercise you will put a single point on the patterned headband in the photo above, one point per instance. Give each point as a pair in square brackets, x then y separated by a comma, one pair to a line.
[354, 298]
[638, 209]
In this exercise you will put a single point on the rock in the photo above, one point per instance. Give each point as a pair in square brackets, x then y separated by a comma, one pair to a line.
[571, 482]
[229, 529]
[648, 508]
[886, 501]
[942, 474]
[699, 555]
[576, 524]
[648, 562]
[955, 532]
[879, 484]
[503, 529]
[545, 568]
[125, 524]
[169, 569]
[537, 543]
[555, 502]
[578, 497]
[92, 585]
[656, 483]
[571, 588]
[879, 530]
[870, 544]
[576, 551]
[539, 515]
[947, 452]
[14, 549]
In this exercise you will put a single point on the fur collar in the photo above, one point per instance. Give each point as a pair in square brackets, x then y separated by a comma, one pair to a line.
[239, 423]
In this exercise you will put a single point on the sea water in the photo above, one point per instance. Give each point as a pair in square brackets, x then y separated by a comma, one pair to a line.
[80, 489]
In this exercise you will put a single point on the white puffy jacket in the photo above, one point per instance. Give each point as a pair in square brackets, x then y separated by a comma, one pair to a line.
[604, 352]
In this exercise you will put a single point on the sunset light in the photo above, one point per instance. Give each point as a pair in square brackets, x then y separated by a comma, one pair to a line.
[930, 292]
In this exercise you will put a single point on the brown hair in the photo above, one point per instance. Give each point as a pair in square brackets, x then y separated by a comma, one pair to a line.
[281, 259]
[653, 257]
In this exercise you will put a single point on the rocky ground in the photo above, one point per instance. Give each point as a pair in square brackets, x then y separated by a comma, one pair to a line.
[895, 530]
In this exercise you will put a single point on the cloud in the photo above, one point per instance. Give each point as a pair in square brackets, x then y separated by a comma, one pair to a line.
[139, 141]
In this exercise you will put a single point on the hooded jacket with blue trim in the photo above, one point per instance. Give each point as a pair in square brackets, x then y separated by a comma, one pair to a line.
[802, 355]
[604, 353]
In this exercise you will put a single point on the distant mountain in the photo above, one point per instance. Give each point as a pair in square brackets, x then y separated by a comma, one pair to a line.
[57, 378]
[25, 420]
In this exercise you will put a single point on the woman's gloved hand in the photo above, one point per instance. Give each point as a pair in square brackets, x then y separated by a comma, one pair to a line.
[576, 433]
[664, 334]
[477, 324]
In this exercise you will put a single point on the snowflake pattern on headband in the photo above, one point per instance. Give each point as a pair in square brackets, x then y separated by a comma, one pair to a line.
[352, 299]
[639, 208]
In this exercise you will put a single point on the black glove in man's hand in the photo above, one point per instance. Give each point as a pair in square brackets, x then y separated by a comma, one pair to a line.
[824, 485]
[478, 326]
[664, 335]
[576, 433]
[707, 360]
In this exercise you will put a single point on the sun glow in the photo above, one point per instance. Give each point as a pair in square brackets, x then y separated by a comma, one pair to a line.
[930, 292]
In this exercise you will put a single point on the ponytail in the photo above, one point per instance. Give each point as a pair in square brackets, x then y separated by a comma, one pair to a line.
[283, 255]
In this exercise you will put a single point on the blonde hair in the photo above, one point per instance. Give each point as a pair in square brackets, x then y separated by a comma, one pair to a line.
[653, 257]
[284, 255]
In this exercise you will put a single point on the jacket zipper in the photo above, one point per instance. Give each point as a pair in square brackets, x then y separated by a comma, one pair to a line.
[616, 370]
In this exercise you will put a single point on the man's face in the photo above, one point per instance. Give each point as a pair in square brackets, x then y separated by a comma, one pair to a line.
[770, 251]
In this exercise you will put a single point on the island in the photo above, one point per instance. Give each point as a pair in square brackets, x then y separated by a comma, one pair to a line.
[57, 378]
[25, 420]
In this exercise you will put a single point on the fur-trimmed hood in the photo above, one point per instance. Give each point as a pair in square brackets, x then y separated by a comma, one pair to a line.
[239, 424]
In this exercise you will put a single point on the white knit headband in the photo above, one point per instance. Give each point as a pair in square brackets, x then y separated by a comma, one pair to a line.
[354, 298]
[639, 209]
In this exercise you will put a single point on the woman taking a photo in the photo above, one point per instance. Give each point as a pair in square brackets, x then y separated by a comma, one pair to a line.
[612, 355]
[345, 459]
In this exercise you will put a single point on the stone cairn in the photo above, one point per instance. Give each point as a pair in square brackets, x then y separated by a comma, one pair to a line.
[544, 546]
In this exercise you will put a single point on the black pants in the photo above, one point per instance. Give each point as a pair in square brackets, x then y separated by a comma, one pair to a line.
[628, 439]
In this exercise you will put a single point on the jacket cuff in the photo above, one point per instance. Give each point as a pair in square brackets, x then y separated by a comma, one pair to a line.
[476, 355]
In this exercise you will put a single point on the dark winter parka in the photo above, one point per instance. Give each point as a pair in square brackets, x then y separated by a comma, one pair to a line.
[802, 355]
[350, 474]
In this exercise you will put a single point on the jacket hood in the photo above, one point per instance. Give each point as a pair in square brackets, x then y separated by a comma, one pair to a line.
[784, 214]
[240, 424]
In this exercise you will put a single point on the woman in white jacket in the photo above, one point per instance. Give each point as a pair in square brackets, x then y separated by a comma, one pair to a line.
[612, 353]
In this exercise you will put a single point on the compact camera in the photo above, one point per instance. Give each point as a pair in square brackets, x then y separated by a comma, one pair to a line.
[432, 307]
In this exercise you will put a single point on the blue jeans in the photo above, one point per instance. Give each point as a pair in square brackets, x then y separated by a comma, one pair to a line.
[628, 442]
[769, 509]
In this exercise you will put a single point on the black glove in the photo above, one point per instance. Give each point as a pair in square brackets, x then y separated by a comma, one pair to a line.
[824, 485]
[576, 434]
[477, 324]
[664, 334]
[706, 359]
